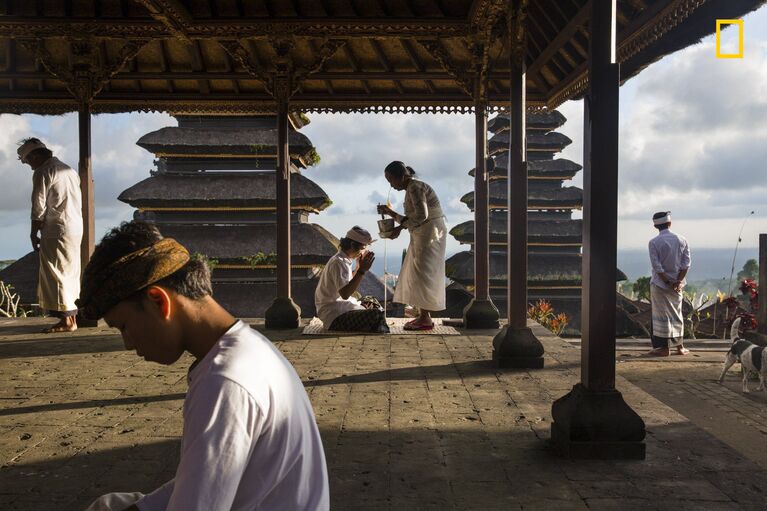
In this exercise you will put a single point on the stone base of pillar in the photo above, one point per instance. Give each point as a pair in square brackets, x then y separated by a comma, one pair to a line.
[283, 313]
[596, 425]
[756, 338]
[481, 314]
[517, 348]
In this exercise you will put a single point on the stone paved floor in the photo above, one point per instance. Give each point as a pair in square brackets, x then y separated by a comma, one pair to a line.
[411, 422]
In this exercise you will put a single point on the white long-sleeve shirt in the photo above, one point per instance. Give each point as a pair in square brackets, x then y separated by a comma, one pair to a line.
[421, 205]
[250, 439]
[56, 199]
[669, 254]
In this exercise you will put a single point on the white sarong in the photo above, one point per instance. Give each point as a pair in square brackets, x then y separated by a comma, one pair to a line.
[421, 281]
[58, 284]
[115, 501]
[667, 319]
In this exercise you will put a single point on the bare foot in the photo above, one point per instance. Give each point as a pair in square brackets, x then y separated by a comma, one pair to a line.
[658, 352]
[682, 351]
[68, 324]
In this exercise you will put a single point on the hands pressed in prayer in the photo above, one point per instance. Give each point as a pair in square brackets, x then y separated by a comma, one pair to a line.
[366, 260]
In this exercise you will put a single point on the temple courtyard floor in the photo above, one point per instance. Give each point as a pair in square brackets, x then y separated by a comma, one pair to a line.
[408, 422]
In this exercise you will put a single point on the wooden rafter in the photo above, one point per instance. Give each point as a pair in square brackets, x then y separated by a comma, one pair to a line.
[240, 55]
[325, 52]
[385, 63]
[355, 66]
[419, 67]
[459, 74]
[172, 14]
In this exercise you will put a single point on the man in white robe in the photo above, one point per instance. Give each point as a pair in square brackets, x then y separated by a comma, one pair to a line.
[670, 260]
[57, 229]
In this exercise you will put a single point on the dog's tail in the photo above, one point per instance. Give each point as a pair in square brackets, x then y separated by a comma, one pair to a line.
[734, 329]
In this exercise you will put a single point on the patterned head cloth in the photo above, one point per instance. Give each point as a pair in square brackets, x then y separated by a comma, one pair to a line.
[105, 286]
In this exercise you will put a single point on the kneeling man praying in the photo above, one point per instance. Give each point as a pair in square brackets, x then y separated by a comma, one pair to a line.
[336, 306]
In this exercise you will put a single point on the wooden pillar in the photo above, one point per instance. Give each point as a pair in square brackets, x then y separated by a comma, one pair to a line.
[282, 177]
[85, 169]
[283, 313]
[481, 312]
[593, 420]
[516, 345]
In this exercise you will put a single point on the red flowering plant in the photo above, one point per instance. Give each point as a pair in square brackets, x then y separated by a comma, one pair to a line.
[542, 312]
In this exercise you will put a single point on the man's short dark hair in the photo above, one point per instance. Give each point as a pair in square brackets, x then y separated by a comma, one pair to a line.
[350, 244]
[192, 280]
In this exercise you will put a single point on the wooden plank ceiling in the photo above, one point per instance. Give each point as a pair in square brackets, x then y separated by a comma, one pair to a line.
[220, 56]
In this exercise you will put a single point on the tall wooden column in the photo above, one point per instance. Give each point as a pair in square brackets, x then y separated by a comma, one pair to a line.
[481, 312]
[85, 169]
[593, 420]
[516, 345]
[283, 313]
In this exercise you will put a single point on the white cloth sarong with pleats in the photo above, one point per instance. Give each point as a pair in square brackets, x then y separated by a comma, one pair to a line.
[421, 281]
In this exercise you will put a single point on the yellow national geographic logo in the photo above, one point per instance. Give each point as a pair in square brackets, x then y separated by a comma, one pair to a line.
[719, 53]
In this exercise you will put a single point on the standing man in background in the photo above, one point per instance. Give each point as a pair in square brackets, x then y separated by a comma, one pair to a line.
[670, 260]
[57, 229]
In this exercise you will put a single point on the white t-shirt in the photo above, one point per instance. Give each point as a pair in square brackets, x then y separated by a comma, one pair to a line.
[336, 274]
[250, 439]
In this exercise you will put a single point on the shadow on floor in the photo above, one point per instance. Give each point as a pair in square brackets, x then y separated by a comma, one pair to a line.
[72, 345]
[91, 404]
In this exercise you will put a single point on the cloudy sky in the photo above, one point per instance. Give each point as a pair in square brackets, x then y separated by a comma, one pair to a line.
[693, 140]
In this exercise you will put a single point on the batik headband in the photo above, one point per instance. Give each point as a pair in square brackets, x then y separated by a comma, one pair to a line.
[105, 287]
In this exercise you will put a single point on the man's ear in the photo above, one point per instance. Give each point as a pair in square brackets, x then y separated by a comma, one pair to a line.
[160, 298]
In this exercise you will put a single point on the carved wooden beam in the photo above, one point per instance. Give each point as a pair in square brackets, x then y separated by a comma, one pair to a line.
[240, 55]
[460, 74]
[221, 28]
[172, 14]
[327, 50]
[85, 78]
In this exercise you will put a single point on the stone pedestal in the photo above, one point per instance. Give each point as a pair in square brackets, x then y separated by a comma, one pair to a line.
[597, 425]
[481, 314]
[517, 348]
[283, 313]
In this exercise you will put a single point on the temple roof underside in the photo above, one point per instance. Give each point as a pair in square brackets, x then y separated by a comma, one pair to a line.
[224, 56]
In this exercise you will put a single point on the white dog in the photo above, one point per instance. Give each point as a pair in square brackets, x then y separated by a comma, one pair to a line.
[750, 356]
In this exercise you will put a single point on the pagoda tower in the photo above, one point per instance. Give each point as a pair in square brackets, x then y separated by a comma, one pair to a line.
[554, 237]
[214, 191]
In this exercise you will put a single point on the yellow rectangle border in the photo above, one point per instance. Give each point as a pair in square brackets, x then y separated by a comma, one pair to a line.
[719, 53]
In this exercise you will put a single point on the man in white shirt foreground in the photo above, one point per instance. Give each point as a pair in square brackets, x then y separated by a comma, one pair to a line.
[336, 307]
[670, 260]
[57, 229]
[250, 439]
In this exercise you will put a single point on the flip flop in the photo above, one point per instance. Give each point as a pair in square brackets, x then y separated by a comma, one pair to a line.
[415, 326]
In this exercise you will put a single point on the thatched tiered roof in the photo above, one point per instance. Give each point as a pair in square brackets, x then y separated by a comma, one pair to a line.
[556, 169]
[539, 232]
[539, 144]
[547, 120]
[310, 243]
[566, 197]
[254, 191]
[22, 275]
[552, 270]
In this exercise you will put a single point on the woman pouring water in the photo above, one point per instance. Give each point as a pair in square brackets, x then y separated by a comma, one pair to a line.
[421, 281]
